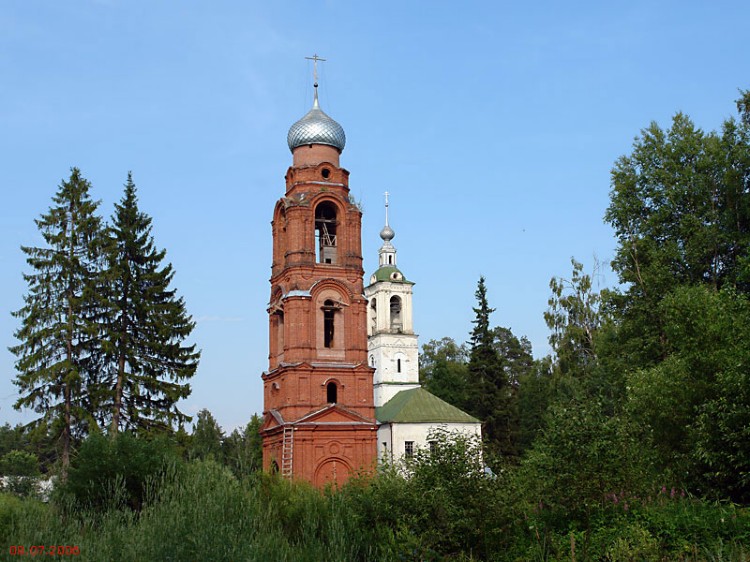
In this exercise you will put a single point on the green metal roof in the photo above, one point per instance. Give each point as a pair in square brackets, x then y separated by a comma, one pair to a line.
[385, 272]
[419, 406]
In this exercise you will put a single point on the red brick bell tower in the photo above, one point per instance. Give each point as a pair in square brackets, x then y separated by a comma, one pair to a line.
[319, 419]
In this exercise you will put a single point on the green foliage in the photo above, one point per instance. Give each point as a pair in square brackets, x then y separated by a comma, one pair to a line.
[535, 392]
[443, 370]
[101, 331]
[58, 355]
[440, 513]
[490, 395]
[145, 326]
[681, 215]
[583, 456]
[207, 438]
[11, 438]
[514, 353]
[19, 463]
[438, 505]
[695, 402]
[243, 451]
[115, 472]
[574, 318]
[21, 471]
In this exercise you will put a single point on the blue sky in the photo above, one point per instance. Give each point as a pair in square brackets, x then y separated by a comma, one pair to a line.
[494, 126]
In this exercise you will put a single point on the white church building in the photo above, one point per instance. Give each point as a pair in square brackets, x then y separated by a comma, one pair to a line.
[406, 413]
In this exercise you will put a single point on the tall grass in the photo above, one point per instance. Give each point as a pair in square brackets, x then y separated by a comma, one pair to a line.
[203, 512]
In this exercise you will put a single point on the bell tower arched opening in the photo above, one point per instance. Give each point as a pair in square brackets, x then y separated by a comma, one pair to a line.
[373, 316]
[397, 323]
[325, 233]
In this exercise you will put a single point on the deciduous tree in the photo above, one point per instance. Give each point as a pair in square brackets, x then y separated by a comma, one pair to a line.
[574, 318]
[443, 370]
[680, 209]
[207, 437]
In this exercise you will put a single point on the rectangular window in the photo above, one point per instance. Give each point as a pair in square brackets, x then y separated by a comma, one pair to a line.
[433, 447]
[409, 449]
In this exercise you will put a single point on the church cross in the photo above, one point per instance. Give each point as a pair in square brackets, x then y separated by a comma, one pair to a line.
[315, 58]
[386, 208]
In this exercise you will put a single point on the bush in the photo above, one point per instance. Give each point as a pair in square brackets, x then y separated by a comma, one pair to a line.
[115, 472]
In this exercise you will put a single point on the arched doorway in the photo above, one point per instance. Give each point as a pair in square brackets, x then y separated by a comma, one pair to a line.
[333, 470]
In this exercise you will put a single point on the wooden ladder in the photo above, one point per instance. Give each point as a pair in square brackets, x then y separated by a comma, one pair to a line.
[287, 452]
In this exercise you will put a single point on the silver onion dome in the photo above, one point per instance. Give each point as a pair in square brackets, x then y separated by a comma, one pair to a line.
[387, 233]
[316, 128]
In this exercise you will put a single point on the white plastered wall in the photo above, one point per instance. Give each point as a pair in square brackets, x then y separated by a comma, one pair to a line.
[392, 437]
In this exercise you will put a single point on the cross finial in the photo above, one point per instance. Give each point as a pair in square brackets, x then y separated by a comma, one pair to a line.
[315, 58]
[386, 208]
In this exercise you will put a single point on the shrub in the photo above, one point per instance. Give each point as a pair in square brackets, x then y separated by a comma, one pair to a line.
[114, 472]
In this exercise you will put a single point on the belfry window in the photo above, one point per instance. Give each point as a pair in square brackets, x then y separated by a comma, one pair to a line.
[396, 322]
[332, 393]
[373, 315]
[325, 232]
[280, 327]
[329, 310]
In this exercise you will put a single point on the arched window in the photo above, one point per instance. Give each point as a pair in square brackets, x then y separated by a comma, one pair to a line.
[280, 333]
[398, 365]
[373, 316]
[329, 309]
[325, 232]
[274, 467]
[332, 391]
[396, 322]
[281, 234]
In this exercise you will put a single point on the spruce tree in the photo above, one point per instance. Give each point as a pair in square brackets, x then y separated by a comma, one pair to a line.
[59, 355]
[147, 362]
[490, 396]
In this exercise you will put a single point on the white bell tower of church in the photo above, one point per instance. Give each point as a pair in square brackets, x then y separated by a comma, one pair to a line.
[393, 348]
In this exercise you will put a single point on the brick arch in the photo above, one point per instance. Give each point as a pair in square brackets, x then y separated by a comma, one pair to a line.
[331, 238]
[279, 209]
[327, 285]
[329, 197]
[328, 315]
[276, 329]
[276, 293]
[279, 233]
[333, 470]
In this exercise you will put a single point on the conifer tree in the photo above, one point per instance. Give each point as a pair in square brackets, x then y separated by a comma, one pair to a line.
[490, 396]
[147, 324]
[59, 355]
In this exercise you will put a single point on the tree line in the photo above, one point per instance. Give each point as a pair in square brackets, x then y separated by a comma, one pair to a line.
[657, 367]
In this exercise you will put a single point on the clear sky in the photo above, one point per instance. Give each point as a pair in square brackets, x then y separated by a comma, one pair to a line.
[494, 125]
